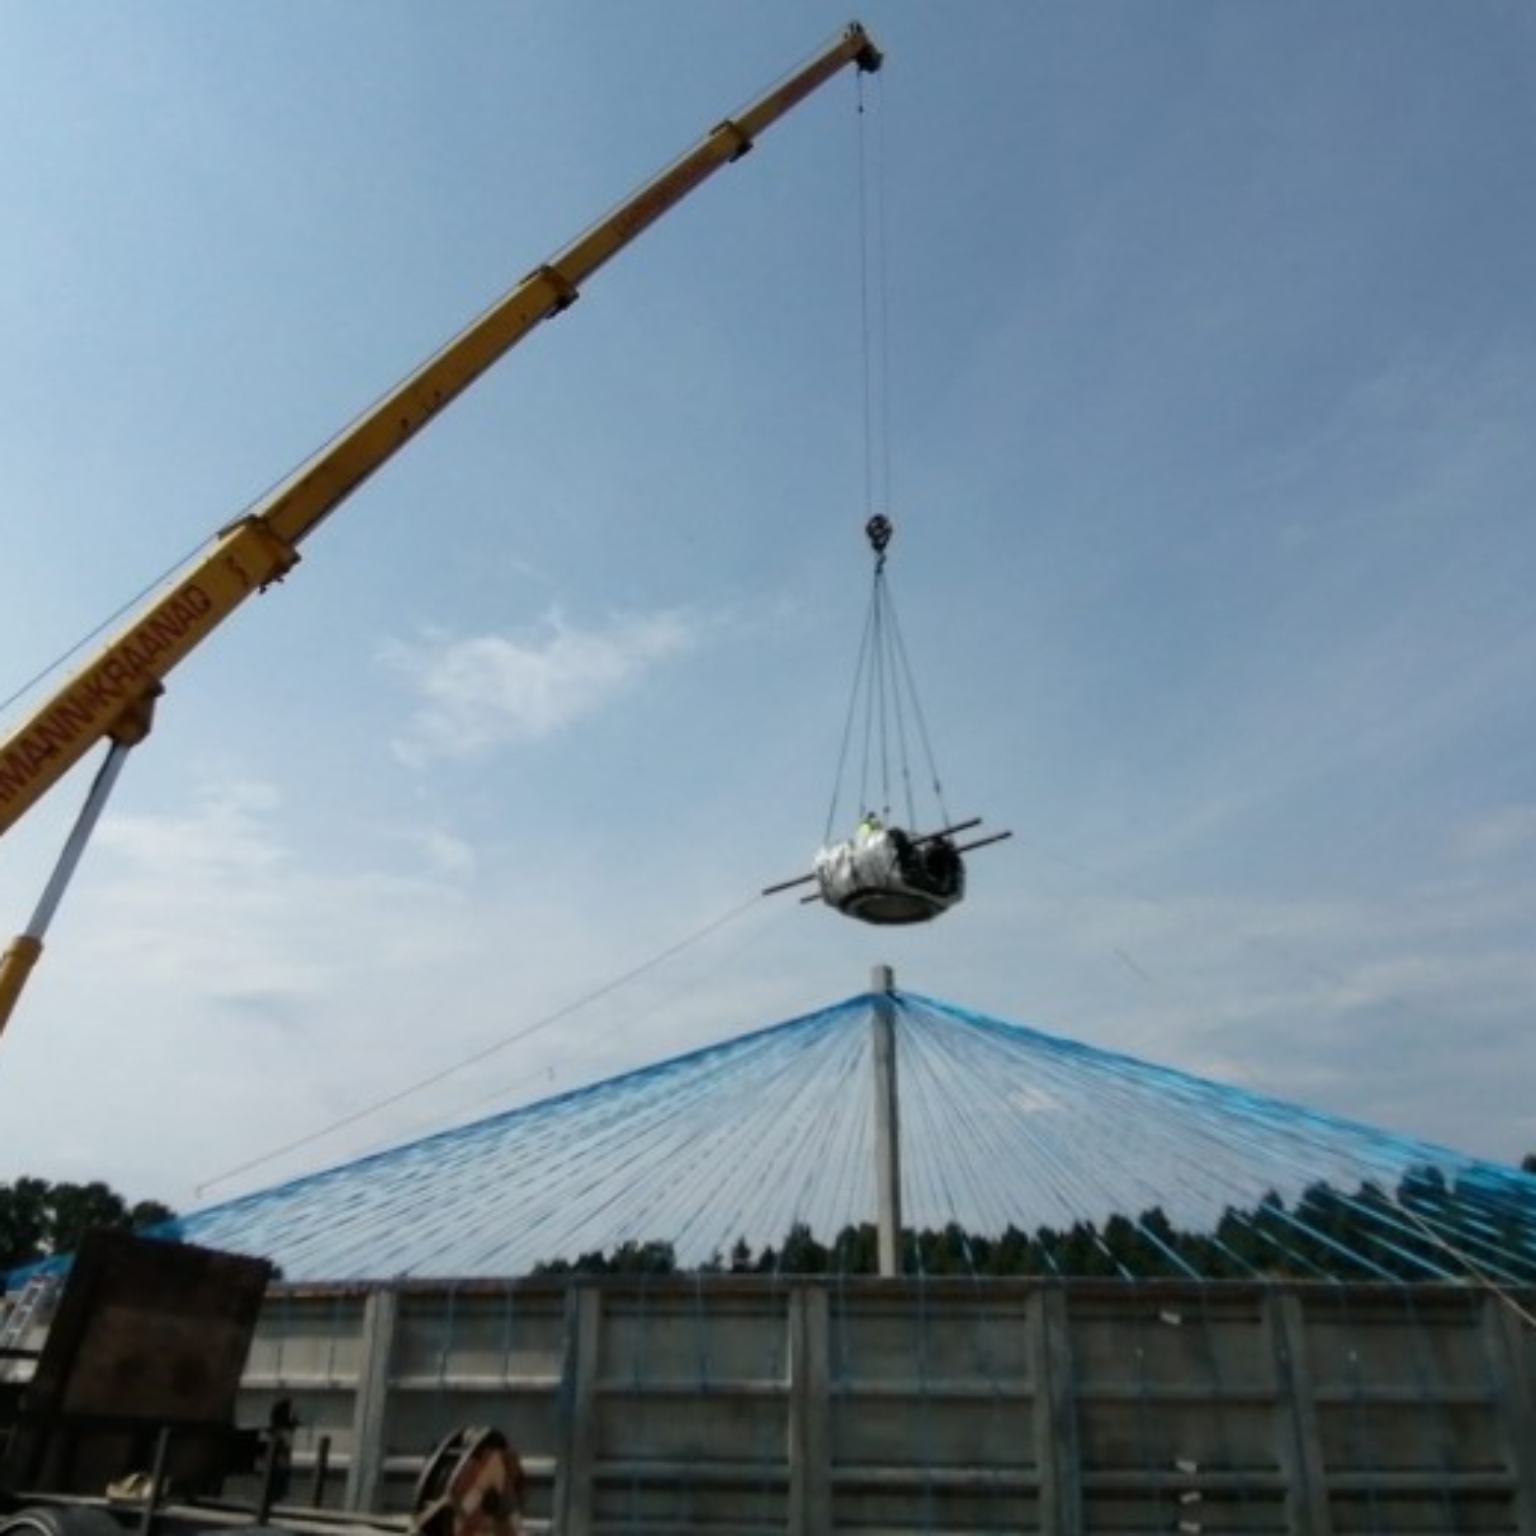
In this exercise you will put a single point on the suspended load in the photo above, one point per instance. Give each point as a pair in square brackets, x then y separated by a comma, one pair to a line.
[887, 873]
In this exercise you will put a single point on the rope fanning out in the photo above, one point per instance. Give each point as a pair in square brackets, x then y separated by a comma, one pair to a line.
[1013, 1141]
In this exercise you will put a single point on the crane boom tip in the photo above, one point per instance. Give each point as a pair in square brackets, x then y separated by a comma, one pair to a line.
[868, 58]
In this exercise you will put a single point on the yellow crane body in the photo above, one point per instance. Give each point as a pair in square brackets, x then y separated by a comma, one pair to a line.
[111, 697]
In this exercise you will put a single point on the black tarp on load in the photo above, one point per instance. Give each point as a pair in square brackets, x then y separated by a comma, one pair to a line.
[888, 876]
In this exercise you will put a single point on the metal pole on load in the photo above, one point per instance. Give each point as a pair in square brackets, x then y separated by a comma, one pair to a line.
[887, 1122]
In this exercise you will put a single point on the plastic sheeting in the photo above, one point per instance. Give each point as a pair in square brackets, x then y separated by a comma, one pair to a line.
[888, 876]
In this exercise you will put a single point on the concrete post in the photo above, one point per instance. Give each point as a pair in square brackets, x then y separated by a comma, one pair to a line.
[1301, 1450]
[1506, 1335]
[810, 1412]
[365, 1473]
[1058, 1436]
[887, 1121]
[575, 1510]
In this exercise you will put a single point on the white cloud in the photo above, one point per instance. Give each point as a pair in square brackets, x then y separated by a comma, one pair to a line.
[1508, 830]
[483, 691]
[446, 855]
[211, 955]
[220, 902]
[302, 1010]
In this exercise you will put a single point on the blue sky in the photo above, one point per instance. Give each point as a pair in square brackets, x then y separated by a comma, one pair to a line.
[1210, 367]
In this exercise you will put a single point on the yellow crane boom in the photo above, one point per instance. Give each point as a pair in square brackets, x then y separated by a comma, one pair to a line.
[112, 696]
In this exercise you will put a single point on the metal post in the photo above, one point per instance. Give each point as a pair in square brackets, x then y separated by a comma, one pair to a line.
[887, 1123]
[322, 1468]
[22, 953]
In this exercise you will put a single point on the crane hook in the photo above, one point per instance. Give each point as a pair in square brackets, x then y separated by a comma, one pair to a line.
[878, 531]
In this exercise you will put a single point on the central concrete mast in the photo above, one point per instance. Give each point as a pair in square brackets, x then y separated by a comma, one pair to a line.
[887, 1120]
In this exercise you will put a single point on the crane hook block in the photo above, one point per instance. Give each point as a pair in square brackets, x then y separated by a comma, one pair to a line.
[878, 531]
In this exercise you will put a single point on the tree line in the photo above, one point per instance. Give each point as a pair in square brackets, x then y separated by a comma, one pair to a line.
[1428, 1228]
[39, 1218]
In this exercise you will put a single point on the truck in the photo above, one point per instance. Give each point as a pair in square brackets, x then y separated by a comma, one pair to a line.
[125, 1421]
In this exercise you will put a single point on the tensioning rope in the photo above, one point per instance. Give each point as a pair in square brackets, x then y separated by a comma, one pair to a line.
[1094, 1161]
[504, 1043]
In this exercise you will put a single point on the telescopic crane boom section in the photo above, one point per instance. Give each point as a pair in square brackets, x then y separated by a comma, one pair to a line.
[112, 696]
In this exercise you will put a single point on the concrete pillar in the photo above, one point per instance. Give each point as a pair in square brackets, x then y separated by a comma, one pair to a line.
[1301, 1449]
[810, 1412]
[1506, 1335]
[574, 1502]
[365, 1472]
[887, 1121]
[1058, 1442]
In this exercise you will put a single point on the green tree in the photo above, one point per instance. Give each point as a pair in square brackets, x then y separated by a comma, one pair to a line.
[38, 1219]
[802, 1254]
[24, 1222]
[80, 1208]
[648, 1258]
[856, 1251]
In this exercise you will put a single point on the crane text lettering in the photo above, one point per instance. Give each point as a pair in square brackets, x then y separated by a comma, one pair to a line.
[86, 710]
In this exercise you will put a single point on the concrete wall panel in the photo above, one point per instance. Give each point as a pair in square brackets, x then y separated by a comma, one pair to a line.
[748, 1405]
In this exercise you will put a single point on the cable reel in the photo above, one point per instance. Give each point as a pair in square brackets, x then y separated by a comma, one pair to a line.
[472, 1485]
